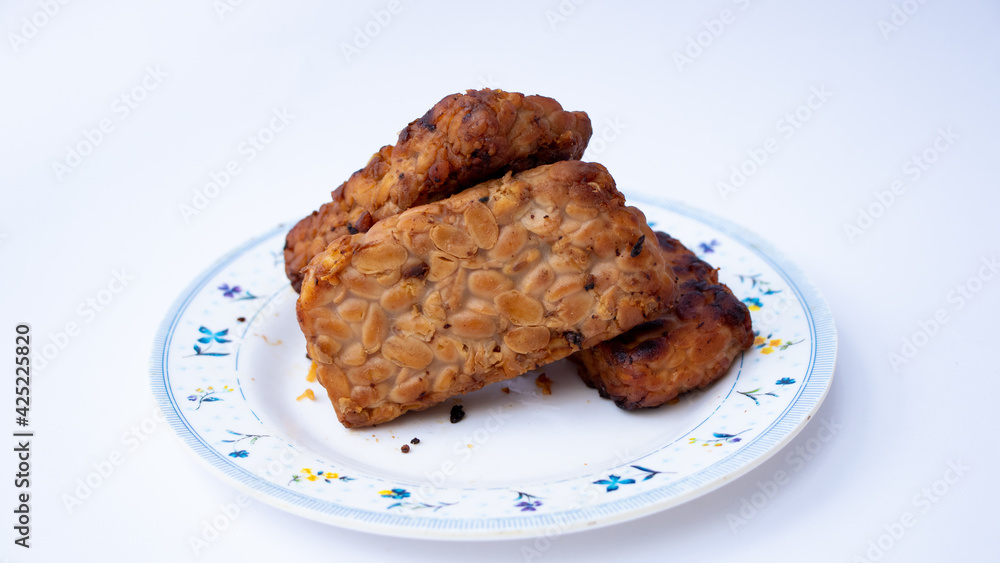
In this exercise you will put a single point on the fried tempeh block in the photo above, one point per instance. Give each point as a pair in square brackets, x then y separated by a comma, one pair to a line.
[691, 345]
[463, 140]
[504, 277]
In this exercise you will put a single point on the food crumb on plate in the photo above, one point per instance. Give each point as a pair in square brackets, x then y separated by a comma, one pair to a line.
[544, 383]
[457, 414]
[307, 395]
[405, 449]
[505, 389]
[311, 376]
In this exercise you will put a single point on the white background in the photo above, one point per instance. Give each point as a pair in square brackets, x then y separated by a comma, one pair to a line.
[682, 126]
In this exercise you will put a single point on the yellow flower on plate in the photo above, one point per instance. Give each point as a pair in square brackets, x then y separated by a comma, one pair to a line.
[758, 341]
[775, 342]
[767, 350]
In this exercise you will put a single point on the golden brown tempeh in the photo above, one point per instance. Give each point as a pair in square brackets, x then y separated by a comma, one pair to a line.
[691, 345]
[463, 140]
[488, 284]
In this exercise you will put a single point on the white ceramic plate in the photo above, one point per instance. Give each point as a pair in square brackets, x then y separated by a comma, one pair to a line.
[229, 364]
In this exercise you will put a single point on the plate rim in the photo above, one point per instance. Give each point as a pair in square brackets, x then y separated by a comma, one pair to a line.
[821, 369]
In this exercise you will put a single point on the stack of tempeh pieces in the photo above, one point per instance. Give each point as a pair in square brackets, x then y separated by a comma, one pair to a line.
[479, 247]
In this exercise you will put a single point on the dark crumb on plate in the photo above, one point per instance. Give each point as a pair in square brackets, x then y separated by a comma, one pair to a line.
[543, 382]
[505, 389]
[415, 441]
[405, 449]
[457, 414]
[241, 319]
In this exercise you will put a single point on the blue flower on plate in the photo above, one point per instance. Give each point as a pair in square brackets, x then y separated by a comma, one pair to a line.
[239, 453]
[395, 493]
[217, 336]
[209, 338]
[613, 481]
[527, 506]
[708, 247]
[784, 381]
[230, 291]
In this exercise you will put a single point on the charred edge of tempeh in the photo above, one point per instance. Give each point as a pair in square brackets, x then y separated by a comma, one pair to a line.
[689, 346]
